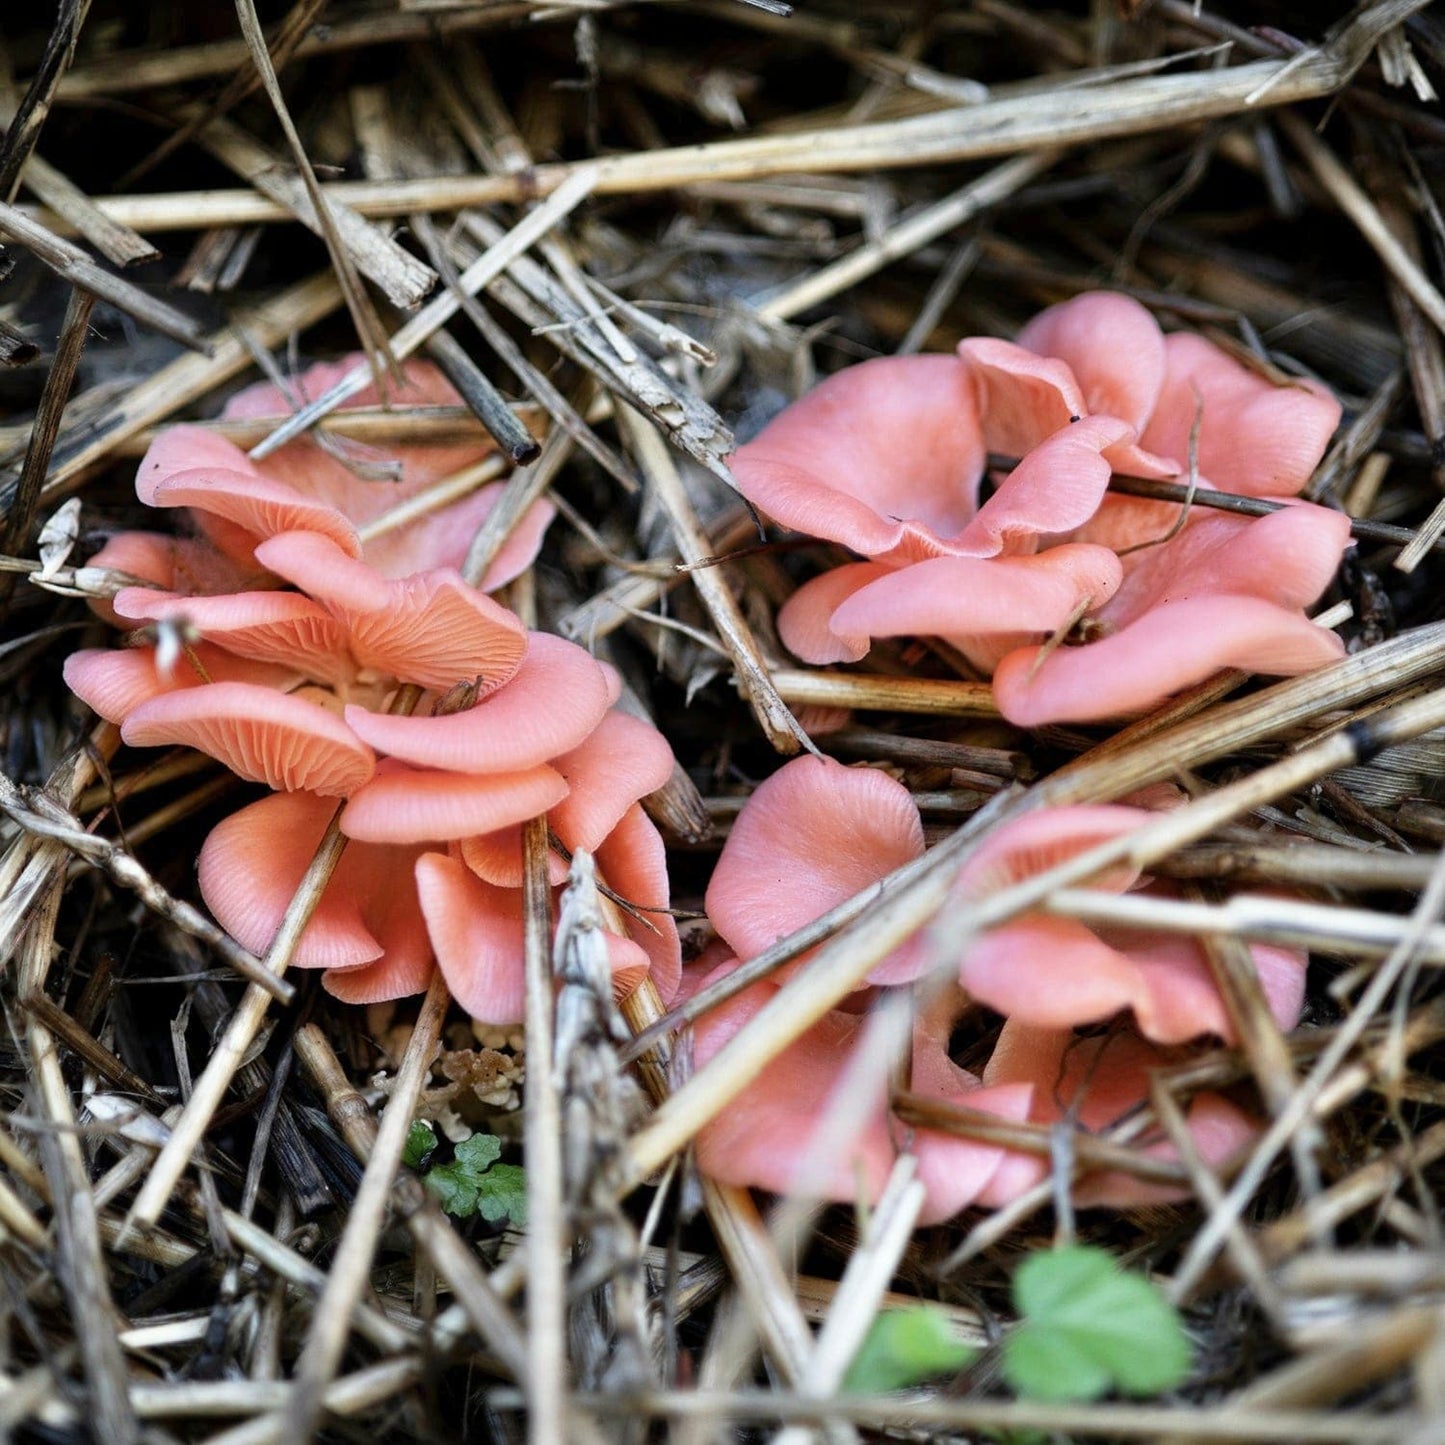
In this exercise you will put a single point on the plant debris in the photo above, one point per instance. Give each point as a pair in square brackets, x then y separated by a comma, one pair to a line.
[235, 1208]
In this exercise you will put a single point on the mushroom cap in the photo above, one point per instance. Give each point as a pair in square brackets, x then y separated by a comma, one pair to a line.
[808, 620]
[439, 538]
[1103, 353]
[255, 504]
[1111, 345]
[414, 805]
[430, 629]
[972, 597]
[1044, 838]
[253, 862]
[396, 975]
[276, 627]
[188, 565]
[1165, 651]
[1057, 973]
[187, 447]
[114, 682]
[1056, 487]
[1256, 437]
[477, 933]
[1288, 557]
[632, 861]
[1022, 397]
[1099, 1080]
[262, 735]
[1226, 591]
[961, 1173]
[496, 857]
[621, 760]
[810, 837]
[556, 697]
[884, 457]
[769, 1136]
[764, 1139]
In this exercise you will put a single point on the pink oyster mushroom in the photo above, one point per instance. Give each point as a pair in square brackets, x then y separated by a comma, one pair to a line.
[288, 688]
[234, 503]
[886, 459]
[828, 832]
[543, 740]
[768, 1137]
[1103, 1080]
[1055, 973]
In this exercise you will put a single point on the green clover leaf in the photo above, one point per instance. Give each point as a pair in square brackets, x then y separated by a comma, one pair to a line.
[1088, 1327]
[904, 1347]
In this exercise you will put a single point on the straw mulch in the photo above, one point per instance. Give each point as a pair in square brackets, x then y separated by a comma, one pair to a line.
[203, 1233]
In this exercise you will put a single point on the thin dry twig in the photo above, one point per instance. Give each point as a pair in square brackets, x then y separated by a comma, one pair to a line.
[70, 262]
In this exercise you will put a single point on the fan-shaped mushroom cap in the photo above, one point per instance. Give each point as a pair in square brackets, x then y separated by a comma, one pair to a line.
[255, 504]
[1113, 347]
[884, 457]
[277, 627]
[633, 863]
[397, 975]
[1056, 973]
[962, 1173]
[476, 930]
[496, 857]
[1056, 487]
[1166, 650]
[762, 1139]
[430, 629]
[188, 565]
[264, 736]
[1103, 353]
[1101, 1080]
[808, 620]
[1256, 437]
[971, 597]
[253, 861]
[413, 805]
[556, 697]
[811, 836]
[439, 538]
[769, 1136]
[1041, 840]
[621, 760]
[116, 681]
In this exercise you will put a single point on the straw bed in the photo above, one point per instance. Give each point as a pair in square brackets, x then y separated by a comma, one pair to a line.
[629, 234]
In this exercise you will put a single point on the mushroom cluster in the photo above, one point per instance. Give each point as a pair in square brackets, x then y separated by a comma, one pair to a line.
[888, 459]
[304, 641]
[816, 833]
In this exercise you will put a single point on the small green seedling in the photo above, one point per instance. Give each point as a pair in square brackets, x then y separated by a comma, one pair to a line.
[905, 1347]
[473, 1183]
[1088, 1327]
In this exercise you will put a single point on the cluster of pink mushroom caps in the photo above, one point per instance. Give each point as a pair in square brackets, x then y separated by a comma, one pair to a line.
[816, 833]
[887, 459]
[299, 617]
[304, 618]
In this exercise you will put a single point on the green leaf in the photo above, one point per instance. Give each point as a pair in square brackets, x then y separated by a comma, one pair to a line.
[903, 1347]
[455, 1189]
[458, 1185]
[420, 1143]
[502, 1194]
[1089, 1327]
[479, 1152]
